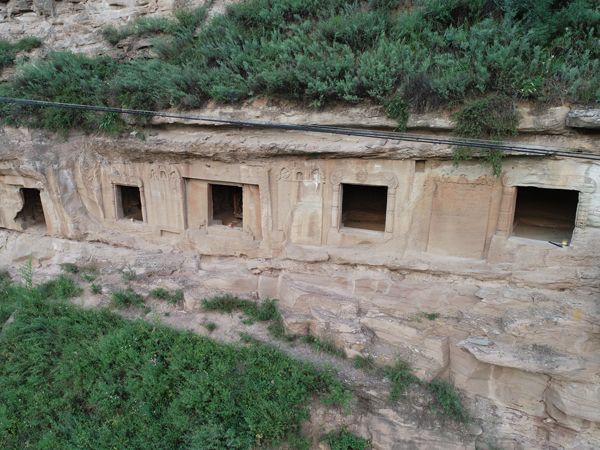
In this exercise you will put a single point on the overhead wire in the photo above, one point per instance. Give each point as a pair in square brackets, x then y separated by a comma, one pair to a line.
[566, 152]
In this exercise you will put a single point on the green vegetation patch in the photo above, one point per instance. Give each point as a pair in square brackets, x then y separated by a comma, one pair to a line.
[74, 378]
[413, 55]
[344, 440]
[9, 50]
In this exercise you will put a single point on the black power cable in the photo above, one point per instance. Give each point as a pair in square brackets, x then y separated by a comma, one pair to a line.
[566, 152]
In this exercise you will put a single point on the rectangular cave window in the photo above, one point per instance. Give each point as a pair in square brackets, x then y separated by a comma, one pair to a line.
[31, 217]
[545, 214]
[129, 201]
[364, 207]
[227, 207]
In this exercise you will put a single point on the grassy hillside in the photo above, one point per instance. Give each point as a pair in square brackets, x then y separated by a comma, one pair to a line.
[75, 379]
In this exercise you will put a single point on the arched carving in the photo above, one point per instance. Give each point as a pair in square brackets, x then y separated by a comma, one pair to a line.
[303, 172]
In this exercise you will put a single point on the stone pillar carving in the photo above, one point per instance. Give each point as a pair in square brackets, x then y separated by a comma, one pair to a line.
[506, 211]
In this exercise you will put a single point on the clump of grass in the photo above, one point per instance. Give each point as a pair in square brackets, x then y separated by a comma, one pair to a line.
[447, 401]
[126, 297]
[249, 339]
[61, 288]
[248, 321]
[327, 344]
[162, 294]
[70, 268]
[266, 311]
[308, 339]
[210, 326]
[401, 375]
[8, 50]
[159, 293]
[127, 272]
[95, 289]
[344, 440]
[366, 363]
[109, 378]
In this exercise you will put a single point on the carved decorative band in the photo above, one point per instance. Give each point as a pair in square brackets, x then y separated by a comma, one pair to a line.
[376, 179]
[125, 180]
[463, 179]
[164, 173]
[550, 181]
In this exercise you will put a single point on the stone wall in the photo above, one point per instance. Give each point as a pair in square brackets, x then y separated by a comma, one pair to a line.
[518, 327]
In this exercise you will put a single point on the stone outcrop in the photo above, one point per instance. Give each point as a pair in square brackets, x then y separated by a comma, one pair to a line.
[589, 118]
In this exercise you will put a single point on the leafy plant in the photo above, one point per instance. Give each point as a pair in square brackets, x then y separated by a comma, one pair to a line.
[26, 271]
[210, 326]
[402, 377]
[159, 293]
[95, 289]
[249, 339]
[308, 339]
[447, 401]
[70, 268]
[492, 117]
[344, 440]
[366, 363]
[327, 344]
[127, 271]
[126, 297]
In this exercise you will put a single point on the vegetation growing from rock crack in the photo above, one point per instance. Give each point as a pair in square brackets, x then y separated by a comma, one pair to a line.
[75, 378]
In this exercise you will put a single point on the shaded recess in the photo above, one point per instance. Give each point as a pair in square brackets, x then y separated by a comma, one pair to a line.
[31, 217]
[545, 214]
[129, 202]
[364, 207]
[227, 207]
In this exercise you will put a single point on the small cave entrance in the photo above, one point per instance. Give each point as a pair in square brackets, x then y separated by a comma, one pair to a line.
[545, 214]
[227, 205]
[364, 207]
[31, 217]
[129, 203]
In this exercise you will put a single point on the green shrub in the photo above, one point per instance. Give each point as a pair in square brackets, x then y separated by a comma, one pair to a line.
[126, 297]
[402, 377]
[70, 268]
[8, 50]
[95, 289]
[327, 344]
[344, 440]
[447, 401]
[366, 363]
[210, 326]
[160, 293]
[493, 117]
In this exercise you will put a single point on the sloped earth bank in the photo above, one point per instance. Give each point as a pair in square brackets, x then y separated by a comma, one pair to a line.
[408, 423]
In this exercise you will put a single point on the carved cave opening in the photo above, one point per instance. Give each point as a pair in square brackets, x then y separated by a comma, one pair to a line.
[227, 207]
[130, 203]
[545, 214]
[31, 217]
[364, 207]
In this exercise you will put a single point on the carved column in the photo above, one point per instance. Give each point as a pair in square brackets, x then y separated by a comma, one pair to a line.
[506, 211]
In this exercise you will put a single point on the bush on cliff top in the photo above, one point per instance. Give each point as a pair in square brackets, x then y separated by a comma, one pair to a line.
[426, 53]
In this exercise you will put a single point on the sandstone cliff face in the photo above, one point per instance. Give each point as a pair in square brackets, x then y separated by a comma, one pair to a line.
[518, 328]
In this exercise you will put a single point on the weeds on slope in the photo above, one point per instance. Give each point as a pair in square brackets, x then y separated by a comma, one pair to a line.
[267, 311]
[73, 378]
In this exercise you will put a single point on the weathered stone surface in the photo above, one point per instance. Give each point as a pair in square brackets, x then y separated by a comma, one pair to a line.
[580, 400]
[539, 359]
[588, 118]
